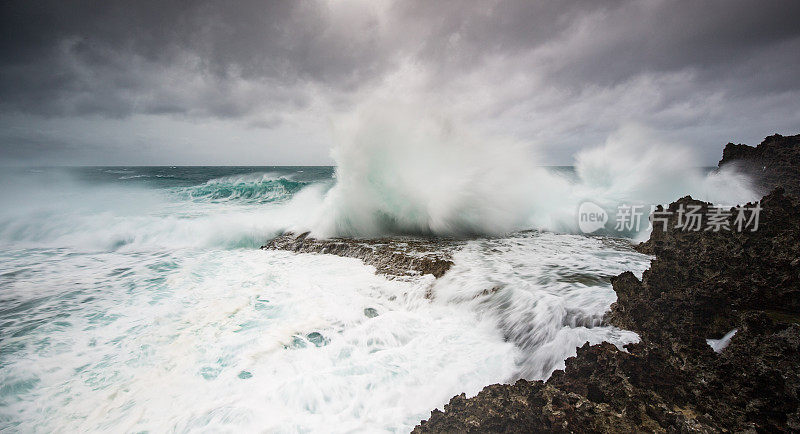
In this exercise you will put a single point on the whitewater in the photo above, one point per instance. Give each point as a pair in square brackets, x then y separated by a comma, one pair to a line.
[136, 298]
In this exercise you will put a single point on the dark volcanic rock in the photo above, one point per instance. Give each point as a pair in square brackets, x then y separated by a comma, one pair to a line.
[773, 163]
[701, 285]
[394, 257]
[701, 281]
[595, 393]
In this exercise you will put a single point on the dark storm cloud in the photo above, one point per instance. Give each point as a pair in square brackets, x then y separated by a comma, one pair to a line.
[194, 57]
[564, 73]
[606, 43]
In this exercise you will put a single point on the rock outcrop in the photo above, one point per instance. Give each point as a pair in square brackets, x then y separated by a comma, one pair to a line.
[773, 163]
[701, 285]
[391, 256]
[700, 280]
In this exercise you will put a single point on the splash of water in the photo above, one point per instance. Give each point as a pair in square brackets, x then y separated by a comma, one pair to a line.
[400, 172]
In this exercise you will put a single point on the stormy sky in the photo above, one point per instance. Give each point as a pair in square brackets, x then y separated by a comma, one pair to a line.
[264, 82]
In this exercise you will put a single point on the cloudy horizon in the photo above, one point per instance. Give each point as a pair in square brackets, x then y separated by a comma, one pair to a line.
[265, 83]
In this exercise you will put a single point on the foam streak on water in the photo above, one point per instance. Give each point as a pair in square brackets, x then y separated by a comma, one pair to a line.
[546, 292]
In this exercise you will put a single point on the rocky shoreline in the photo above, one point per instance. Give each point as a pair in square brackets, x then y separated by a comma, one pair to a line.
[775, 162]
[702, 285]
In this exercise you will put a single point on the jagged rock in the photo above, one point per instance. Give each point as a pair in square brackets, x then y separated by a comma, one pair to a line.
[700, 281]
[773, 163]
[595, 393]
[394, 257]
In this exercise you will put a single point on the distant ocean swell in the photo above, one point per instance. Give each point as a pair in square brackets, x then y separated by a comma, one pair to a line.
[145, 208]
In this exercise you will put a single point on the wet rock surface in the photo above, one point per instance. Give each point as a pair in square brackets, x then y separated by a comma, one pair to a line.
[400, 256]
[701, 285]
[775, 162]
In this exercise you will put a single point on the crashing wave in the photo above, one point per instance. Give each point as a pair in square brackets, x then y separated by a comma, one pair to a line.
[247, 189]
[401, 173]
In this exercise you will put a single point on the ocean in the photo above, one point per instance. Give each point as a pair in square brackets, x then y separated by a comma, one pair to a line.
[137, 299]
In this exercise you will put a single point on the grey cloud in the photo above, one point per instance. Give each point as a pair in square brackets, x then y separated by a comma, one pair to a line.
[116, 58]
[569, 73]
[559, 73]
[609, 42]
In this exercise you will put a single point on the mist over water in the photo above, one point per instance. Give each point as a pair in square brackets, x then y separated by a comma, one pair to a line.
[134, 298]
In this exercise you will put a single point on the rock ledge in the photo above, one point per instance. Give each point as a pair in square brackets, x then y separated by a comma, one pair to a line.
[394, 257]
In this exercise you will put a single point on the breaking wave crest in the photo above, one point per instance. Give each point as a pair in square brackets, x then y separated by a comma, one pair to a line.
[250, 189]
